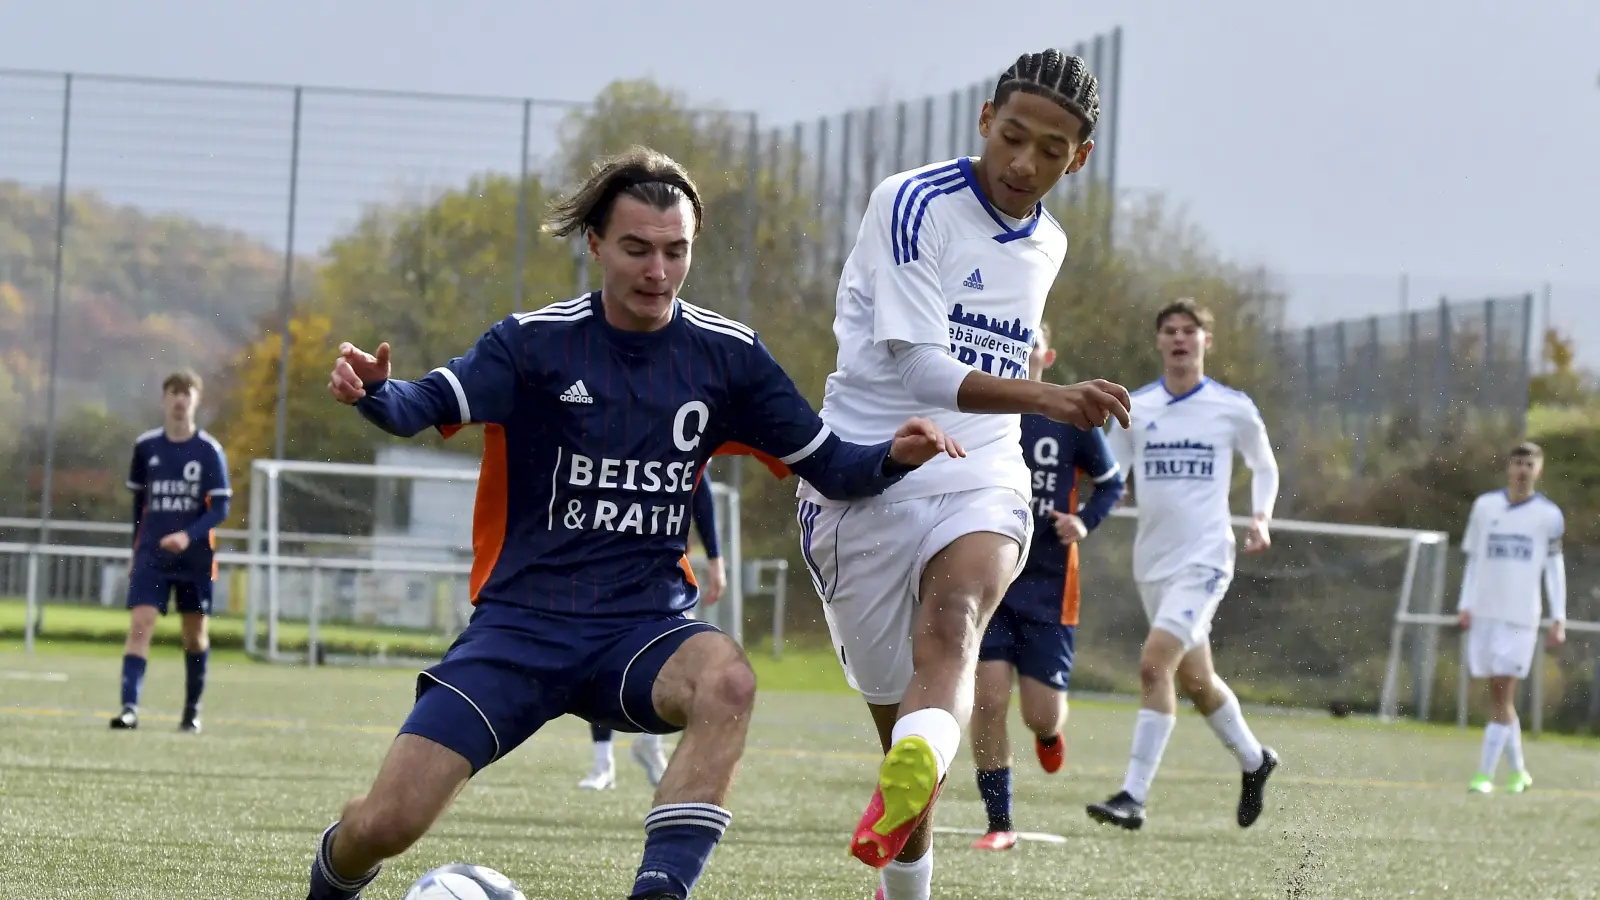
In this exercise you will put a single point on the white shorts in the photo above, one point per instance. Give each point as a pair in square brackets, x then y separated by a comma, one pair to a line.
[1496, 647]
[1184, 604]
[866, 563]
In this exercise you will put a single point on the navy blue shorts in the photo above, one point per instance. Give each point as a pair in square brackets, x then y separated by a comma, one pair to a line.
[513, 669]
[1040, 650]
[149, 586]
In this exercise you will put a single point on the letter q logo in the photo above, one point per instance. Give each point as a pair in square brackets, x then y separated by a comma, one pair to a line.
[685, 438]
[1047, 452]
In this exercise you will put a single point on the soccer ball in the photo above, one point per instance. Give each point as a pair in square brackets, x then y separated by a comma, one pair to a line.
[461, 881]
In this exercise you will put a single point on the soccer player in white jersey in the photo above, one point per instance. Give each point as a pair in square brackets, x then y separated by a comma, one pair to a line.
[1178, 456]
[1513, 538]
[937, 308]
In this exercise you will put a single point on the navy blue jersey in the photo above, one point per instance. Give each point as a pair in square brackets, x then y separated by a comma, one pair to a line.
[1056, 453]
[595, 439]
[177, 486]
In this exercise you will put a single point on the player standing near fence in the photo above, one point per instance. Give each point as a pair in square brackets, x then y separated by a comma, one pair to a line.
[1030, 636]
[1178, 456]
[599, 416]
[1513, 539]
[937, 309]
[646, 749]
[179, 479]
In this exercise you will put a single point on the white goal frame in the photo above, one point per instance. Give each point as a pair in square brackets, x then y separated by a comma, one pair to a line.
[265, 538]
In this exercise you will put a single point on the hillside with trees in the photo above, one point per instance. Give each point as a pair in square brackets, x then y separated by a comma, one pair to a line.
[141, 295]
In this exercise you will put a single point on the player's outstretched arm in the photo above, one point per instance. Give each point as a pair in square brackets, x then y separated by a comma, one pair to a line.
[480, 386]
[933, 376]
[770, 415]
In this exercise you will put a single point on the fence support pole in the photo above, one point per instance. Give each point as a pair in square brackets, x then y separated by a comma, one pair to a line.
[286, 302]
[47, 488]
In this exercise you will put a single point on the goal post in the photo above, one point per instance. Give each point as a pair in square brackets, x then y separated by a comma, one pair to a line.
[1329, 614]
[370, 562]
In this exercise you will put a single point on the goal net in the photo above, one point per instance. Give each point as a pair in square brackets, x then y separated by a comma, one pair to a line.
[1330, 614]
[370, 563]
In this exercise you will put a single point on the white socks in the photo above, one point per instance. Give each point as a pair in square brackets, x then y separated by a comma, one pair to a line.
[648, 741]
[1150, 734]
[1514, 746]
[936, 726]
[1228, 724]
[1495, 737]
[909, 881]
[602, 755]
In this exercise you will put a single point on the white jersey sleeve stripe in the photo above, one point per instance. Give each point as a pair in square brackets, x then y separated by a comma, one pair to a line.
[461, 394]
[808, 449]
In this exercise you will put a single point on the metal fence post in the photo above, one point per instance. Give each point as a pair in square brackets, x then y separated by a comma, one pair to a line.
[35, 603]
[281, 435]
[522, 206]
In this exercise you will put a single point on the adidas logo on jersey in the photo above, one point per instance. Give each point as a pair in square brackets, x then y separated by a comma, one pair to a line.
[578, 393]
[974, 281]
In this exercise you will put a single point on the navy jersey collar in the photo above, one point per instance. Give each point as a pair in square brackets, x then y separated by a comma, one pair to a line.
[633, 340]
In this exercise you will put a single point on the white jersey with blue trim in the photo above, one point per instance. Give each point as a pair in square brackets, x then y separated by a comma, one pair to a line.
[936, 263]
[1510, 546]
[1178, 453]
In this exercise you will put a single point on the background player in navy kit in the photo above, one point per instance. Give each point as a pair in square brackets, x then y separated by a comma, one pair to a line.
[600, 414]
[179, 479]
[1031, 633]
[646, 749]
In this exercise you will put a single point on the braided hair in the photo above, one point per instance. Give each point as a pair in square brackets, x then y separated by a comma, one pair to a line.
[1051, 74]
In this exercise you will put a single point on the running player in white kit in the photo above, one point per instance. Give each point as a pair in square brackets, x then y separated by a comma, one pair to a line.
[938, 304]
[1513, 539]
[1178, 456]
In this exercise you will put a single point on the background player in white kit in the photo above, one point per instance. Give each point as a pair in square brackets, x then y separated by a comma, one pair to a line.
[1513, 538]
[937, 308]
[1178, 455]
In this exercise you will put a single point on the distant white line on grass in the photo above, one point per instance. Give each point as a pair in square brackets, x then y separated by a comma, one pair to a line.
[34, 712]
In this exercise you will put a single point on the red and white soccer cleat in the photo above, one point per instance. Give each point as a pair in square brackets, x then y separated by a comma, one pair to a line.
[908, 785]
[1053, 756]
[996, 840]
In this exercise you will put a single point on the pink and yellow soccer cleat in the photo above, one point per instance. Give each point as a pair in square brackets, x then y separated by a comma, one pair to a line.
[908, 784]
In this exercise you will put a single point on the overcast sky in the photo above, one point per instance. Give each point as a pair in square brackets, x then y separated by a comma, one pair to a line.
[1338, 144]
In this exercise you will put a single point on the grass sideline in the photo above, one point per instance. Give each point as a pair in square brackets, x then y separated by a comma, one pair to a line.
[1358, 810]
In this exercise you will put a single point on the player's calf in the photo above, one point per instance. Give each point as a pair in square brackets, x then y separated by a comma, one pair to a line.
[418, 780]
[135, 660]
[708, 687]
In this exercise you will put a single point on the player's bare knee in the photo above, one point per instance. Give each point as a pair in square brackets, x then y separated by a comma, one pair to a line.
[1154, 673]
[728, 688]
[1043, 721]
[953, 619]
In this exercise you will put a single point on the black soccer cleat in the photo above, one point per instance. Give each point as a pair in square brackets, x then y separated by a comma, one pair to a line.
[1121, 810]
[1252, 791]
[190, 723]
[127, 720]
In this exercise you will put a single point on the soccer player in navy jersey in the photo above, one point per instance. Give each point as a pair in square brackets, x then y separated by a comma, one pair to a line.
[599, 416]
[646, 749]
[1030, 635]
[179, 479]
